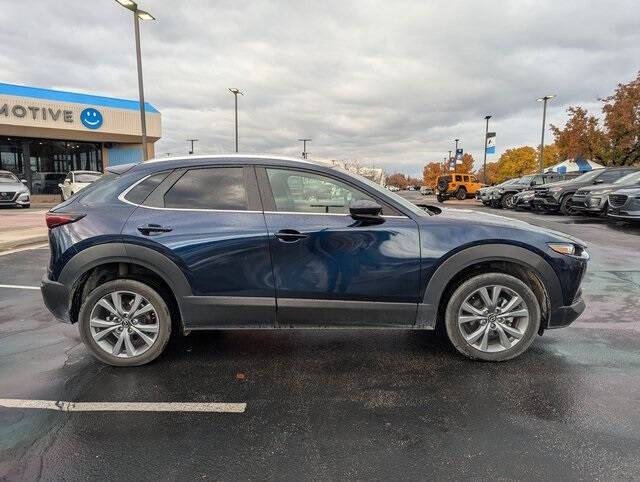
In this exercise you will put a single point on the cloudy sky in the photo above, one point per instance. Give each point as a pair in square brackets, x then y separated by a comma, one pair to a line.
[389, 83]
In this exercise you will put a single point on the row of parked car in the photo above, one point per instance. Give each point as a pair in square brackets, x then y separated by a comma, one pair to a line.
[613, 191]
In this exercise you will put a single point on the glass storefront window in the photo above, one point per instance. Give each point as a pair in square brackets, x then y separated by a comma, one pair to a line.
[49, 160]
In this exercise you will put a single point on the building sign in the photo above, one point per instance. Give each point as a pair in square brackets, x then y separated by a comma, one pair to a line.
[91, 118]
[34, 112]
[491, 142]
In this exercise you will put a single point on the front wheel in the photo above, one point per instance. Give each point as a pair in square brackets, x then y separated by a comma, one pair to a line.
[125, 323]
[508, 202]
[492, 317]
[565, 206]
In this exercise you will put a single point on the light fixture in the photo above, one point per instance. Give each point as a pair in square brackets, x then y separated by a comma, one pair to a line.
[142, 15]
[546, 97]
[131, 5]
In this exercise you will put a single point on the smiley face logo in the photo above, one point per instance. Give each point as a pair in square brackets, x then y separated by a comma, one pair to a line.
[91, 118]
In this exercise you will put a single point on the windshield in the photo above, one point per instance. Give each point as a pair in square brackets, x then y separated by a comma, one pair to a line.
[633, 178]
[385, 193]
[87, 176]
[589, 176]
[8, 177]
[524, 180]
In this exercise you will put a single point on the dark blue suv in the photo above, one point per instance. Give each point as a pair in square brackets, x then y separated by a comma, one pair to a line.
[224, 242]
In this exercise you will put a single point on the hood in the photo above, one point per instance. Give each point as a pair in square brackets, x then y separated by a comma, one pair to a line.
[612, 186]
[559, 183]
[629, 191]
[13, 186]
[469, 216]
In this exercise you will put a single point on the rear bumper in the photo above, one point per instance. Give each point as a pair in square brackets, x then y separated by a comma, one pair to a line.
[56, 298]
[565, 315]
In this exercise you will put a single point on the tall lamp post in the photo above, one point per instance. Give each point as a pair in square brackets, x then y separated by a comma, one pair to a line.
[235, 93]
[486, 132]
[304, 147]
[137, 15]
[192, 141]
[544, 120]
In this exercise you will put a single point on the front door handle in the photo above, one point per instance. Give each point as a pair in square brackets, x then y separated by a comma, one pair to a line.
[290, 235]
[151, 229]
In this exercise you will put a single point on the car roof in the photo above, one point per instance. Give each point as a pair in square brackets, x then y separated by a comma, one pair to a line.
[154, 165]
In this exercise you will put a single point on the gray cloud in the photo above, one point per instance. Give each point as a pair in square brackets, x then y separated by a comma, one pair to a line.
[388, 83]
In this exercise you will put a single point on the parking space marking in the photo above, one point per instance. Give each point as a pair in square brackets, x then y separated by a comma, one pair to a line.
[20, 287]
[62, 406]
[17, 250]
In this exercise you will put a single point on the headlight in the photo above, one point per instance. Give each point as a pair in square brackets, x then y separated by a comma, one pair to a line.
[569, 249]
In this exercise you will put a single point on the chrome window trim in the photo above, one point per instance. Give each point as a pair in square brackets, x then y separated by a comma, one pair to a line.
[122, 195]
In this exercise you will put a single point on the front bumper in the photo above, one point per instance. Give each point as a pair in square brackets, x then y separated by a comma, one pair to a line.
[589, 204]
[56, 298]
[565, 315]
[548, 202]
[19, 199]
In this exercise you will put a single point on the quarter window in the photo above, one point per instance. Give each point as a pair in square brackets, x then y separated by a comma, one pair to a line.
[212, 188]
[139, 193]
[296, 191]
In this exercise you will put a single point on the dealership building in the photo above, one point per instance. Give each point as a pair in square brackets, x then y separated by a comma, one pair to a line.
[45, 133]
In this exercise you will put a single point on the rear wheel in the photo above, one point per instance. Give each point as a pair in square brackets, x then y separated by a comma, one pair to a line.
[492, 317]
[461, 194]
[125, 323]
[440, 198]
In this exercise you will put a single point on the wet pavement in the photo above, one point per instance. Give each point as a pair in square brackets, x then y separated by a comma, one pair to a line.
[350, 404]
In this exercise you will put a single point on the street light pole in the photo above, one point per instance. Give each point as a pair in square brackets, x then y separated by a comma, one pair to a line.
[235, 93]
[486, 132]
[192, 141]
[544, 120]
[304, 147]
[137, 15]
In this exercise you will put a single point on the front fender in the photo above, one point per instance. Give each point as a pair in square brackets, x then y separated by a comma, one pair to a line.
[447, 270]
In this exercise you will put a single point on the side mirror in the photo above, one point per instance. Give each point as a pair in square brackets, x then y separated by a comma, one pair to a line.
[24, 181]
[365, 210]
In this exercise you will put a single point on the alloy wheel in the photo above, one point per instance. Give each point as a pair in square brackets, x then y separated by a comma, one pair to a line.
[124, 324]
[493, 318]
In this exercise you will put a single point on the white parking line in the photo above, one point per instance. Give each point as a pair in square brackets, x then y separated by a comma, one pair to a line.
[20, 287]
[63, 406]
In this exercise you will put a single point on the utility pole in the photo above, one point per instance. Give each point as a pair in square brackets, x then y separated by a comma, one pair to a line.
[235, 93]
[544, 120]
[192, 141]
[304, 147]
[486, 132]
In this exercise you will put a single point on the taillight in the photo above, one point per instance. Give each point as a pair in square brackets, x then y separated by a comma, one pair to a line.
[59, 219]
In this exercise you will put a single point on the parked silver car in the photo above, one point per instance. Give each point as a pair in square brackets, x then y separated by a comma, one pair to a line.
[13, 191]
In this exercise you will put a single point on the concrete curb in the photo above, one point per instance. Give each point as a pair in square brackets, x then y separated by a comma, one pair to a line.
[10, 244]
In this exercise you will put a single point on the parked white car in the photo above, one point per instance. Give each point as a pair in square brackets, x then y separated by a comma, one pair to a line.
[75, 181]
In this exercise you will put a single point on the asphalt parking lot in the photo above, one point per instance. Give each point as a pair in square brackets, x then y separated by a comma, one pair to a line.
[328, 405]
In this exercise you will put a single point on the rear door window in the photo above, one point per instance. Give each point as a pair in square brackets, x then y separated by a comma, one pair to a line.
[458, 178]
[220, 188]
[466, 178]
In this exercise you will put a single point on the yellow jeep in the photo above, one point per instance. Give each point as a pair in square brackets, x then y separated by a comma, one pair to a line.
[460, 186]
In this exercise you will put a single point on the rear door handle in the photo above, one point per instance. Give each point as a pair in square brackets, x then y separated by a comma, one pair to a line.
[290, 235]
[151, 229]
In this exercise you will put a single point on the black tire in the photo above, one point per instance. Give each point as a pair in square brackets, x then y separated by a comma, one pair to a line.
[565, 206]
[26, 206]
[507, 200]
[163, 320]
[461, 194]
[443, 183]
[440, 198]
[466, 289]
[486, 203]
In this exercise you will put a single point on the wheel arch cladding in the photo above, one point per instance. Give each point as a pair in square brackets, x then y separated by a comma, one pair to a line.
[75, 271]
[486, 254]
